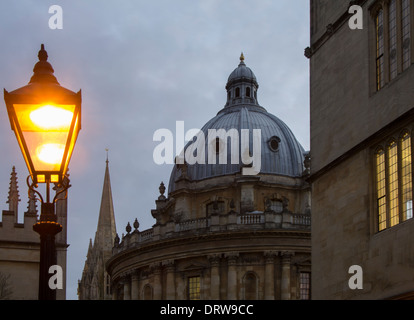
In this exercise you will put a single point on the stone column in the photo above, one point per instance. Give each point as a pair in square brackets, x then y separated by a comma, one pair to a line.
[127, 288]
[285, 283]
[214, 276]
[269, 285]
[180, 286]
[135, 286]
[170, 285]
[232, 275]
[157, 286]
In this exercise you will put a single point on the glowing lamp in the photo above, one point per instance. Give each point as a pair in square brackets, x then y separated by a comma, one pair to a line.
[46, 119]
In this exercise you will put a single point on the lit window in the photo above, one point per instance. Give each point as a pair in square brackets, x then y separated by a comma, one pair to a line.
[194, 288]
[393, 183]
[406, 177]
[381, 193]
[394, 192]
[304, 281]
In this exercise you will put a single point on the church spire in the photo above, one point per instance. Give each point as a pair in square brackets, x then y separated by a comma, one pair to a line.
[13, 198]
[106, 230]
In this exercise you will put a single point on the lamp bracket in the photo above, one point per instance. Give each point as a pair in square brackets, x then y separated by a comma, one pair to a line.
[64, 185]
[32, 187]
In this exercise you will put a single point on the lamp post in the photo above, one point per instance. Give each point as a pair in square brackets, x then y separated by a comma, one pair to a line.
[46, 119]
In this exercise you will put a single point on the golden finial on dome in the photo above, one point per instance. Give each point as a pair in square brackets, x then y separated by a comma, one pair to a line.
[242, 57]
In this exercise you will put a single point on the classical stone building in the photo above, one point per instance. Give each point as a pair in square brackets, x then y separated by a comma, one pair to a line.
[221, 231]
[362, 121]
[20, 248]
[95, 282]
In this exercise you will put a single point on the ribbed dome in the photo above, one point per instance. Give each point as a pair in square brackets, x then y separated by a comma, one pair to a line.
[281, 153]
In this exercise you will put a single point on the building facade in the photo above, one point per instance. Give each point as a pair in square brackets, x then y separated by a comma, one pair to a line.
[362, 121]
[20, 248]
[222, 231]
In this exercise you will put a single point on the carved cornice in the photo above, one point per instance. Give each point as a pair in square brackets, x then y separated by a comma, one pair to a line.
[155, 268]
[286, 256]
[231, 257]
[214, 259]
[270, 256]
[169, 265]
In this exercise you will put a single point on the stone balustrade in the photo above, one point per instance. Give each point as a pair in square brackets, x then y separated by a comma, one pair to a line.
[215, 223]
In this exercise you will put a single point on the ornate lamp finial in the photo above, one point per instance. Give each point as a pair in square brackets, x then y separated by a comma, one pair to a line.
[43, 70]
[242, 57]
[42, 55]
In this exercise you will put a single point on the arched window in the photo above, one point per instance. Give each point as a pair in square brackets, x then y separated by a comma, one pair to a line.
[250, 286]
[147, 292]
[394, 182]
[237, 92]
[392, 19]
[248, 92]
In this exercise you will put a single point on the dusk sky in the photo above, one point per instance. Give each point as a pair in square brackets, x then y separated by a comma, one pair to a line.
[142, 66]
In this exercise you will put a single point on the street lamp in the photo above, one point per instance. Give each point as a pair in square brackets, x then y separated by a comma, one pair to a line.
[46, 119]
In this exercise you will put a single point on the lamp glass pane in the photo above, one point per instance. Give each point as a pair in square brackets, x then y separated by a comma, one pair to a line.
[72, 141]
[45, 129]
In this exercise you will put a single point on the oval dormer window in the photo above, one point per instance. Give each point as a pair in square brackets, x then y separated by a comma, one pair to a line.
[274, 143]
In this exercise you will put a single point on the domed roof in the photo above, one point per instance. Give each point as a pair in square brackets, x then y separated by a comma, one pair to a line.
[281, 153]
[242, 72]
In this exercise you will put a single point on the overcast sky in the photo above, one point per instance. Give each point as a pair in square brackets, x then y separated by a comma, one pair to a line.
[142, 66]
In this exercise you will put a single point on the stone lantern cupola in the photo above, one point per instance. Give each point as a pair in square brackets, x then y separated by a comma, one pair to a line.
[242, 86]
